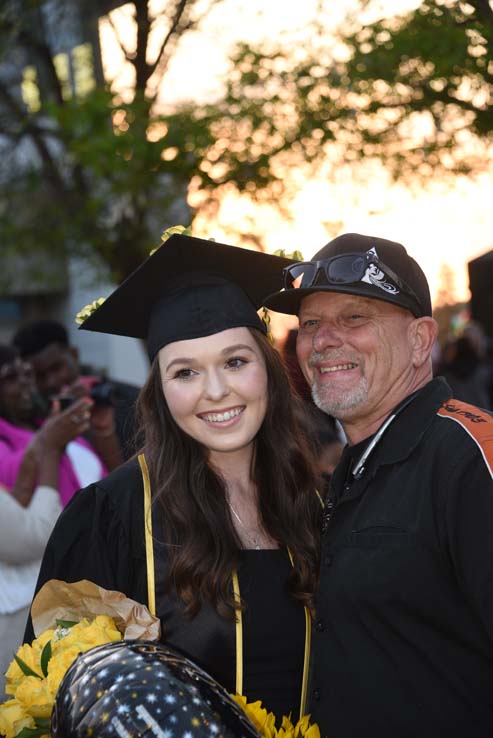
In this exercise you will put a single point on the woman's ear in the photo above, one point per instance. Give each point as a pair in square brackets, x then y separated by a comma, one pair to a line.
[423, 334]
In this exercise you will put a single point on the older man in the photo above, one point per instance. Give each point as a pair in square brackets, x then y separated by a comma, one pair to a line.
[403, 640]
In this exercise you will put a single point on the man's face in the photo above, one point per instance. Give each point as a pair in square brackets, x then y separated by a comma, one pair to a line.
[355, 353]
[55, 366]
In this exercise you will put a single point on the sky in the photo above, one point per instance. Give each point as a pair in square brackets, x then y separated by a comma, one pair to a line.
[442, 225]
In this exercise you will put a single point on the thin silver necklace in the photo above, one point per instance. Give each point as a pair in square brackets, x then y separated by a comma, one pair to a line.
[254, 540]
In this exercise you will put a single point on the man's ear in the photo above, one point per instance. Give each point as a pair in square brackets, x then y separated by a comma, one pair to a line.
[423, 333]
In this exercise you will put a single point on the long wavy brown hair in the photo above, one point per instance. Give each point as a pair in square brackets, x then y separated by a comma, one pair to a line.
[203, 548]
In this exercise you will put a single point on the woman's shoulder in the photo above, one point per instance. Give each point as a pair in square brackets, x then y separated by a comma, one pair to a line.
[100, 535]
[119, 494]
[109, 512]
[125, 479]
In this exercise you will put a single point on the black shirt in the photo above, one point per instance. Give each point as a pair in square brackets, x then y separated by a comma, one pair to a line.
[273, 633]
[403, 644]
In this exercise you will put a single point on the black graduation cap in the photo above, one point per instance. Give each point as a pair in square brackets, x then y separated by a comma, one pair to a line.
[188, 288]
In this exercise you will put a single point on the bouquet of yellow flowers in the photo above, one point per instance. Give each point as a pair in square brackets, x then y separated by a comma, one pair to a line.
[65, 621]
[35, 674]
[265, 722]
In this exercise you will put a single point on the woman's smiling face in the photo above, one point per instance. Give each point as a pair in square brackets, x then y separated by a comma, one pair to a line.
[216, 388]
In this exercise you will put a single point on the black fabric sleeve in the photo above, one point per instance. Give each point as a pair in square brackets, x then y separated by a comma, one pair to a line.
[90, 541]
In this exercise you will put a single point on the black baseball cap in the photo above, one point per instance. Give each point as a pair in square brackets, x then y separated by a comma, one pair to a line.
[188, 288]
[371, 267]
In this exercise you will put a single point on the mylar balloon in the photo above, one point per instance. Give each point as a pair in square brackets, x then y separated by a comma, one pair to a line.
[142, 688]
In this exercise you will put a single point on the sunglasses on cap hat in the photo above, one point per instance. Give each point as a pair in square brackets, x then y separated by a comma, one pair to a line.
[341, 269]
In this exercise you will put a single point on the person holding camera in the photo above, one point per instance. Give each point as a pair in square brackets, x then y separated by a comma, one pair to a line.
[26, 442]
[37, 476]
[45, 344]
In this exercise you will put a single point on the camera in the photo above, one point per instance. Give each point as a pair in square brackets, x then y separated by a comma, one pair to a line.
[101, 392]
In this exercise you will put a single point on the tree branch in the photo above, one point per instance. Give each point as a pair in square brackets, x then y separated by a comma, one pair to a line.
[175, 23]
[32, 44]
[143, 70]
[128, 57]
[27, 128]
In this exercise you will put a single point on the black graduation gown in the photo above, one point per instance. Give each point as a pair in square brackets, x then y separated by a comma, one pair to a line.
[100, 537]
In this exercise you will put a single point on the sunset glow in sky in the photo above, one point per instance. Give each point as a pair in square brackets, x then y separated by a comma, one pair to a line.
[445, 225]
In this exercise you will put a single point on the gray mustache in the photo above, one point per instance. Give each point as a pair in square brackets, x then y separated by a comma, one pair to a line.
[331, 356]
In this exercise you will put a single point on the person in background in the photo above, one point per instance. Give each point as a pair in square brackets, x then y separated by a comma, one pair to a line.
[33, 465]
[216, 525]
[403, 643]
[326, 443]
[24, 532]
[45, 344]
[22, 439]
[325, 433]
[464, 368]
[298, 381]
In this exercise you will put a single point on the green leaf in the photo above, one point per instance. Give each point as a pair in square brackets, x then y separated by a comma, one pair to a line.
[45, 657]
[43, 723]
[42, 729]
[26, 670]
[33, 733]
[66, 623]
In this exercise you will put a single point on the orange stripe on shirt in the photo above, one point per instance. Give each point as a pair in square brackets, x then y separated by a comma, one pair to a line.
[477, 423]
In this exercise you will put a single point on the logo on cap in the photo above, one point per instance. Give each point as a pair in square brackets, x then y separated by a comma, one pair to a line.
[373, 275]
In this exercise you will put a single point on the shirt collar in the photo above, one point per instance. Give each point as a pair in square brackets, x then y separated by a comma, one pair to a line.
[408, 428]
[402, 435]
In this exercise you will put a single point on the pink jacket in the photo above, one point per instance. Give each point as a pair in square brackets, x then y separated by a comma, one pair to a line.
[13, 443]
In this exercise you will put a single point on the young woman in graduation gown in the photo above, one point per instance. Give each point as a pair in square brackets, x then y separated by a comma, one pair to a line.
[215, 525]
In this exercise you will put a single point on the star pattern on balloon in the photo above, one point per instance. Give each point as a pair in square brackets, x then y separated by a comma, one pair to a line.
[138, 688]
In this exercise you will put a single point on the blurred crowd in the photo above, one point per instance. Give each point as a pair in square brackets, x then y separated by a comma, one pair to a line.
[63, 426]
[466, 362]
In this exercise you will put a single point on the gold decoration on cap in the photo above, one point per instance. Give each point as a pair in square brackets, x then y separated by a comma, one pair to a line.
[181, 230]
[296, 254]
[88, 310]
[265, 317]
